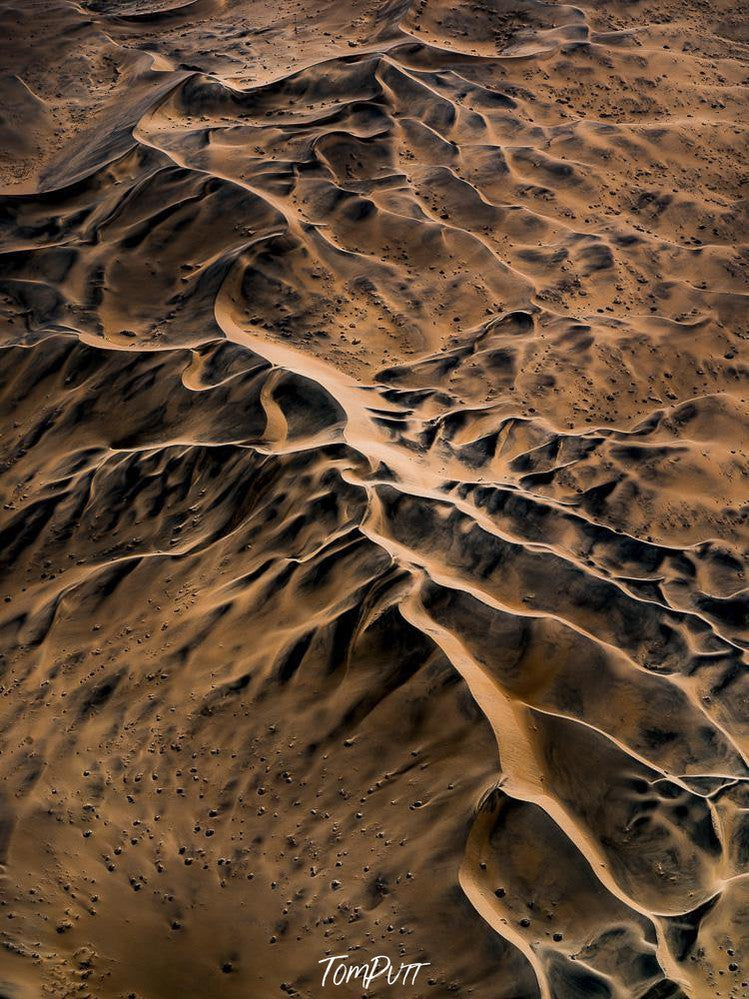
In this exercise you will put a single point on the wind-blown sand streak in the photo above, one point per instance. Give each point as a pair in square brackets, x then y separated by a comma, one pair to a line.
[374, 497]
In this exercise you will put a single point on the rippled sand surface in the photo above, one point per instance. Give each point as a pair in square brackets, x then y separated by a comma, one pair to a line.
[374, 515]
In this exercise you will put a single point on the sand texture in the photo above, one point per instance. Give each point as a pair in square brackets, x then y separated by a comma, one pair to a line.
[374, 512]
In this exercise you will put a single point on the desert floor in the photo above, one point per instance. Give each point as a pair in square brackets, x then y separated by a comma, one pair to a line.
[374, 497]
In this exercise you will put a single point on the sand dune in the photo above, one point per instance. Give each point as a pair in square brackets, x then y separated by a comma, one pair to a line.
[374, 519]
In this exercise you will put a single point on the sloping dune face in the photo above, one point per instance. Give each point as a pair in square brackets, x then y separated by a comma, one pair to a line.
[374, 522]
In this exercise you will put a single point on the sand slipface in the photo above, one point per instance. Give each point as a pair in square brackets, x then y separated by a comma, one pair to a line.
[374, 518]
